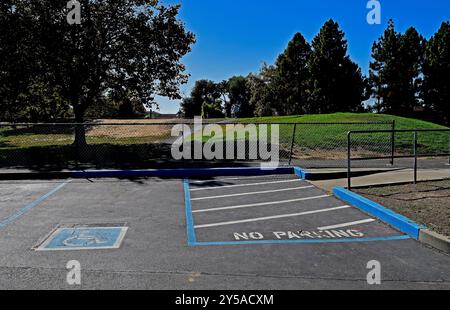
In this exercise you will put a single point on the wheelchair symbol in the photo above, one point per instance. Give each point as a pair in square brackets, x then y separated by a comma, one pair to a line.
[83, 239]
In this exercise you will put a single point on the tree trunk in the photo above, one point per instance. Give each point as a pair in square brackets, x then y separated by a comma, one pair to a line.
[227, 109]
[80, 130]
[80, 135]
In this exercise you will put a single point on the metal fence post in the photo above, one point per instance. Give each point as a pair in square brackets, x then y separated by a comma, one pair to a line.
[449, 150]
[415, 157]
[77, 148]
[292, 143]
[393, 142]
[349, 161]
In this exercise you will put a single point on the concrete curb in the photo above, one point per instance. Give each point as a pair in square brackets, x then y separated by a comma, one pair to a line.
[435, 240]
[398, 221]
[332, 175]
[388, 216]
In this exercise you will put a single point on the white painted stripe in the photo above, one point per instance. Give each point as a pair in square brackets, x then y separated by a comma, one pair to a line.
[253, 193]
[260, 204]
[271, 217]
[235, 178]
[346, 224]
[248, 184]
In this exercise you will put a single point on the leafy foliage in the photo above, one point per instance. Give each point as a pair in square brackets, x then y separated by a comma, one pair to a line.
[124, 46]
[203, 92]
[239, 96]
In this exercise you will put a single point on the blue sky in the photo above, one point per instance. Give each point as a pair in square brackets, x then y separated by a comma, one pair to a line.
[234, 37]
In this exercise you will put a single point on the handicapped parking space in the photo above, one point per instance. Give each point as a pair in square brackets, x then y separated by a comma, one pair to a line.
[274, 210]
[112, 224]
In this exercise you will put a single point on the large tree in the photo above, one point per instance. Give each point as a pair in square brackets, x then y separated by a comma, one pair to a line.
[263, 92]
[239, 96]
[293, 77]
[395, 70]
[337, 84]
[128, 45]
[223, 89]
[436, 88]
[204, 92]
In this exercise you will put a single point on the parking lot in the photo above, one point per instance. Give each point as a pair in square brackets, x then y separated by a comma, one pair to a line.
[272, 232]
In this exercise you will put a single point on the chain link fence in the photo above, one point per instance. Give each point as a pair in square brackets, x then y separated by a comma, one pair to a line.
[148, 144]
[324, 145]
[399, 149]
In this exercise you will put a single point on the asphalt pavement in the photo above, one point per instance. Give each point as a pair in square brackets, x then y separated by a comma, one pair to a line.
[268, 232]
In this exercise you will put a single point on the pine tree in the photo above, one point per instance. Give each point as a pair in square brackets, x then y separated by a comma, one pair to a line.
[337, 84]
[293, 76]
[395, 70]
[436, 88]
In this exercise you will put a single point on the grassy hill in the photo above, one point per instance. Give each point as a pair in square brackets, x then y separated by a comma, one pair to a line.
[401, 122]
[333, 135]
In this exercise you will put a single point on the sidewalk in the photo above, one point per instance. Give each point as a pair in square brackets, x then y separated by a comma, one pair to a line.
[385, 178]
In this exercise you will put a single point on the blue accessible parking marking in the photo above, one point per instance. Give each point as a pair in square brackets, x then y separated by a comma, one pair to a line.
[84, 238]
[273, 210]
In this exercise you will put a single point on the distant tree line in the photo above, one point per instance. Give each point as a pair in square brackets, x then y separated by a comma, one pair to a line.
[408, 76]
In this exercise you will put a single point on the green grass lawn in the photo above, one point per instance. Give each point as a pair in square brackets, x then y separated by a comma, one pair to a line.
[401, 122]
[324, 137]
[333, 135]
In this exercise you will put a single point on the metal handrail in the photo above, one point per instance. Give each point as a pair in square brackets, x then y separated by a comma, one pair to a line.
[400, 130]
[415, 155]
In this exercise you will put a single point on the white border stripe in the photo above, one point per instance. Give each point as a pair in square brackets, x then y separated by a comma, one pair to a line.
[249, 184]
[253, 193]
[260, 204]
[271, 217]
[346, 224]
[235, 178]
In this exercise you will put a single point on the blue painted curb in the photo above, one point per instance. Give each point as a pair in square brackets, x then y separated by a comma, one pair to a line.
[303, 174]
[388, 216]
[180, 173]
[299, 172]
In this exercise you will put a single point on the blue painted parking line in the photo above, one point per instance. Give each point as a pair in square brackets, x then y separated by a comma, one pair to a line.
[84, 238]
[9, 220]
[348, 240]
[189, 217]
